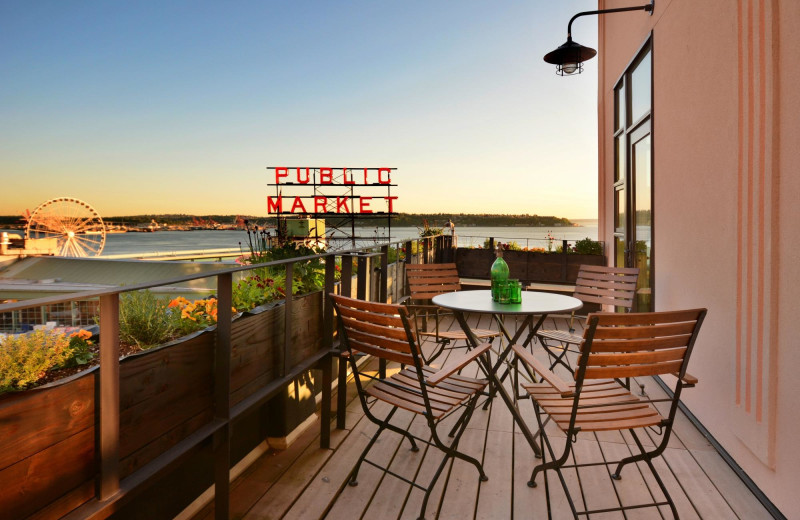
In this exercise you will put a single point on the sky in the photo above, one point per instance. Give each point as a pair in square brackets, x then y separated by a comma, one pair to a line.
[179, 107]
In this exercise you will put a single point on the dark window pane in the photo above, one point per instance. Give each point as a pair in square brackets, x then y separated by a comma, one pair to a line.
[619, 163]
[619, 107]
[619, 209]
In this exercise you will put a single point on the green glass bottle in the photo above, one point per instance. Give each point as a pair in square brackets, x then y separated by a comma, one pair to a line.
[499, 272]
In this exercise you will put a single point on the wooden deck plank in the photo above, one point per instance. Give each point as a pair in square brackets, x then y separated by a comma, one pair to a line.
[369, 478]
[495, 500]
[700, 490]
[730, 486]
[328, 480]
[461, 492]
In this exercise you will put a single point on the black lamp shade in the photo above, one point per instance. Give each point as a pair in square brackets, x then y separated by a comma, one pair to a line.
[569, 57]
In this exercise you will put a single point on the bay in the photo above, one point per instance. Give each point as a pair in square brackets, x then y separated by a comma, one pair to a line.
[167, 242]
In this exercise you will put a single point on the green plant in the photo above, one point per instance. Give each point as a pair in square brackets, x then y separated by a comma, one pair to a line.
[144, 319]
[507, 246]
[26, 358]
[428, 231]
[80, 352]
[254, 290]
[587, 246]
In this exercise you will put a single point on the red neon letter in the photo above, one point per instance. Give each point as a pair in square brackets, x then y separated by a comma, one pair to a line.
[389, 201]
[278, 174]
[298, 202]
[301, 181]
[344, 177]
[341, 202]
[380, 175]
[365, 175]
[275, 205]
[319, 204]
[326, 176]
[364, 203]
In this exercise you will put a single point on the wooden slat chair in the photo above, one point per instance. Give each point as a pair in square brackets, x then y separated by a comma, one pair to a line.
[424, 282]
[615, 346]
[385, 331]
[611, 287]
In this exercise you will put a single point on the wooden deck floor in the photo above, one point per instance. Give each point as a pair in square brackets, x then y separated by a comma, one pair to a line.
[306, 482]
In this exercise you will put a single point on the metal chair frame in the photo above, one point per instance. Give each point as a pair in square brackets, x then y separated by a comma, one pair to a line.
[385, 331]
[424, 282]
[615, 346]
[603, 285]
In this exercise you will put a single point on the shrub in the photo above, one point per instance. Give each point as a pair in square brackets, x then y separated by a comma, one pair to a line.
[587, 246]
[254, 290]
[144, 319]
[26, 358]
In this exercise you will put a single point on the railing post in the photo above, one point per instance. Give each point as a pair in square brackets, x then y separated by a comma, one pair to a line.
[347, 275]
[222, 387]
[384, 288]
[287, 339]
[363, 277]
[564, 253]
[327, 343]
[491, 243]
[425, 250]
[108, 441]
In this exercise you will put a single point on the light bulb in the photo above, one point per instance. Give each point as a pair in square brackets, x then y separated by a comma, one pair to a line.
[569, 68]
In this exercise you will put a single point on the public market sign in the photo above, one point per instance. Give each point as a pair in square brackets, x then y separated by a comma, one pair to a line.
[331, 191]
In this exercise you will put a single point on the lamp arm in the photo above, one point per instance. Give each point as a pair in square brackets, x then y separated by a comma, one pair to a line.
[648, 7]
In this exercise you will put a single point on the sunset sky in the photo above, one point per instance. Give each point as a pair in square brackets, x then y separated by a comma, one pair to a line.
[179, 107]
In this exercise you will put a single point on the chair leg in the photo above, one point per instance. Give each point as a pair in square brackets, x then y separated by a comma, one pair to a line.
[643, 455]
[648, 457]
[382, 425]
[451, 450]
[555, 463]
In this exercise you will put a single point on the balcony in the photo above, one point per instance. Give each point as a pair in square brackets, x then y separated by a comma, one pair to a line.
[116, 471]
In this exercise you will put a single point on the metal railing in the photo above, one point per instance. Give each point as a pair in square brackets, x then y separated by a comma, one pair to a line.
[371, 282]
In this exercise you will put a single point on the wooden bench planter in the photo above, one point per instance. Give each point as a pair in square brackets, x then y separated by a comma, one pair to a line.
[526, 266]
[48, 466]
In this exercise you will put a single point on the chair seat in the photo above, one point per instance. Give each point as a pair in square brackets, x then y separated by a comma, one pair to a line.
[608, 406]
[402, 390]
[457, 335]
[561, 335]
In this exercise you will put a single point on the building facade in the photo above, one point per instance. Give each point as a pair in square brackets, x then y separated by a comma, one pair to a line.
[699, 146]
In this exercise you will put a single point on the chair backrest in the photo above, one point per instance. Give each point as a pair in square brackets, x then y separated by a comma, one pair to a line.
[428, 280]
[612, 286]
[377, 329]
[638, 344]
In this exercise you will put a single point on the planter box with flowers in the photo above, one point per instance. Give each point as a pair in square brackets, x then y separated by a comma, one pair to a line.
[48, 465]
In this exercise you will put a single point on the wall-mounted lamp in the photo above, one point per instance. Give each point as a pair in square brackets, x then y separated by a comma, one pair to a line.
[569, 57]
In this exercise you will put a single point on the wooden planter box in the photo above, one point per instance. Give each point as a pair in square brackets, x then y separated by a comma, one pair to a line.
[527, 266]
[48, 466]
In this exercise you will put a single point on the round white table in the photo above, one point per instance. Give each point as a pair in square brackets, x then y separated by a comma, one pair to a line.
[533, 304]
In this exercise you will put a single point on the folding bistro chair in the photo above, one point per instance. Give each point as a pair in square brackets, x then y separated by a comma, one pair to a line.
[385, 331]
[426, 281]
[607, 286]
[616, 346]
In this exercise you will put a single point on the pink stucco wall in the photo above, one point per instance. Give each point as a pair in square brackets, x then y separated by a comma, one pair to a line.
[726, 145]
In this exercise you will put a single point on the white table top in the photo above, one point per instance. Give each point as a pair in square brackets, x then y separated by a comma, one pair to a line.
[533, 302]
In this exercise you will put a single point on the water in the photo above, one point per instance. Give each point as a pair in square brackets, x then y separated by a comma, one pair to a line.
[166, 242]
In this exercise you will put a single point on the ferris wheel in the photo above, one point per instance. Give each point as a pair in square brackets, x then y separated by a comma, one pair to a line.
[75, 225]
